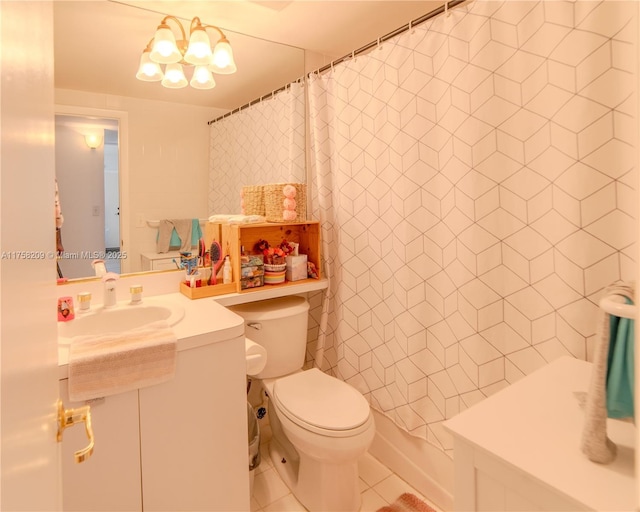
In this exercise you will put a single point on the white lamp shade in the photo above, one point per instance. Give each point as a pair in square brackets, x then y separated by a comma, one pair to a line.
[174, 77]
[199, 50]
[148, 71]
[222, 61]
[93, 140]
[165, 50]
[202, 78]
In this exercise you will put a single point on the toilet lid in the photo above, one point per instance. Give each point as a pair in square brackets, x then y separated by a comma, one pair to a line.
[321, 400]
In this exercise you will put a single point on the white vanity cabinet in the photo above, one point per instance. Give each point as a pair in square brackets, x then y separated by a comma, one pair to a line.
[520, 449]
[159, 261]
[110, 479]
[180, 445]
[194, 449]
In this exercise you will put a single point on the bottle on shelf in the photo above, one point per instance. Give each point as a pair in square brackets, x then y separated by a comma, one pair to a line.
[226, 271]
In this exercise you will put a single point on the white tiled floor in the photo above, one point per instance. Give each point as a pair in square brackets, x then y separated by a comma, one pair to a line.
[379, 486]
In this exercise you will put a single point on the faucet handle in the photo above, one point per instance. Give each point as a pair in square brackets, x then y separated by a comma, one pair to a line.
[110, 276]
[99, 267]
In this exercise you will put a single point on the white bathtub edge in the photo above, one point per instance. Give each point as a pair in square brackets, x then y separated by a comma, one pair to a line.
[420, 464]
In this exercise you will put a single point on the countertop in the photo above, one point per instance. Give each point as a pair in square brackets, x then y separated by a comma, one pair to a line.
[205, 321]
[536, 426]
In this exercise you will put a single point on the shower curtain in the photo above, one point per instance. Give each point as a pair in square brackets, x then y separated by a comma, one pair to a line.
[263, 143]
[475, 181]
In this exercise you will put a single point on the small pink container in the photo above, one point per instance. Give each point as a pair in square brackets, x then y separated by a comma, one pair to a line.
[65, 309]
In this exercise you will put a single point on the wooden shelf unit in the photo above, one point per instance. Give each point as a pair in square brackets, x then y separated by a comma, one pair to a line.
[235, 236]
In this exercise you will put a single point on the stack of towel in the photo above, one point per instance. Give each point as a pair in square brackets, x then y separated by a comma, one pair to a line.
[237, 219]
[611, 392]
[103, 365]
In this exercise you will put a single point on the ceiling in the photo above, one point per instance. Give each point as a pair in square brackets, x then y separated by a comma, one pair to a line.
[97, 44]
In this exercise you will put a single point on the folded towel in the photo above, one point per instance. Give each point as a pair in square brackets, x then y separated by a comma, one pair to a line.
[237, 219]
[182, 227]
[595, 444]
[113, 363]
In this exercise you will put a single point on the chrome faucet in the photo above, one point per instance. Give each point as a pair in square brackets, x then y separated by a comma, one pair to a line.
[109, 280]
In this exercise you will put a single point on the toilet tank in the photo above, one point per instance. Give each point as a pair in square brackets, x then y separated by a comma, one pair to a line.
[280, 326]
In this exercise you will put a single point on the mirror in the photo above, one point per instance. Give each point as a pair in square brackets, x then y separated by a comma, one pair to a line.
[87, 173]
[163, 151]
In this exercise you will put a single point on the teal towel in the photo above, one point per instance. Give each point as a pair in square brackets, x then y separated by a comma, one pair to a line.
[620, 368]
[196, 235]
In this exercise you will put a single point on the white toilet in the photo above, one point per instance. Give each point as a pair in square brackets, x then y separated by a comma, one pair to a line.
[320, 425]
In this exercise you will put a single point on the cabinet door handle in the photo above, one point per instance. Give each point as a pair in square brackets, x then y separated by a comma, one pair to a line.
[70, 417]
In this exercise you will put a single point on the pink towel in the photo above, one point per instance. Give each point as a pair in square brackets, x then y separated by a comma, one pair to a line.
[118, 362]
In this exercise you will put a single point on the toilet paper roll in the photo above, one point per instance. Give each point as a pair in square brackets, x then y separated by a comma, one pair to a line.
[256, 357]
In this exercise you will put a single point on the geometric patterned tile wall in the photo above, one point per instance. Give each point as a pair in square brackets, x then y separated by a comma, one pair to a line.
[263, 143]
[475, 179]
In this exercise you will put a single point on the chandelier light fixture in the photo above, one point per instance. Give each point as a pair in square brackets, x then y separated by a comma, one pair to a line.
[175, 54]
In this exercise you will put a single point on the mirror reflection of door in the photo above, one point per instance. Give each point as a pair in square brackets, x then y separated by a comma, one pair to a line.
[111, 200]
[88, 182]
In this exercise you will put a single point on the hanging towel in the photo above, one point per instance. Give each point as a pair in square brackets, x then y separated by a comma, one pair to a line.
[183, 228]
[610, 375]
[196, 232]
[196, 235]
[104, 365]
[620, 368]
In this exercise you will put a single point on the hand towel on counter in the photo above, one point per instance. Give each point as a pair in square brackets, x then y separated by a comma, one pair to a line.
[108, 364]
[614, 339]
[183, 228]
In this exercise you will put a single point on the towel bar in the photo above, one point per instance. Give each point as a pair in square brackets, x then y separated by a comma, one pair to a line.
[156, 223]
[615, 305]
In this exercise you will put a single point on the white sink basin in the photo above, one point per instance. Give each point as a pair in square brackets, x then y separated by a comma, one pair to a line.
[118, 319]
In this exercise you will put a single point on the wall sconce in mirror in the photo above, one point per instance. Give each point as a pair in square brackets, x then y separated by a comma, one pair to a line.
[194, 51]
[93, 140]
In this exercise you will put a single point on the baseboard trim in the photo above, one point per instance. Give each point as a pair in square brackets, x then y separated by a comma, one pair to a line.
[420, 464]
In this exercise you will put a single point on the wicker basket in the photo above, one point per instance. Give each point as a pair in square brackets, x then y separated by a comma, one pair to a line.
[274, 199]
[253, 197]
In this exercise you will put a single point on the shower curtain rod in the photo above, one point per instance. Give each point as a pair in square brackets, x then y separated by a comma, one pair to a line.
[253, 102]
[432, 14]
[439, 10]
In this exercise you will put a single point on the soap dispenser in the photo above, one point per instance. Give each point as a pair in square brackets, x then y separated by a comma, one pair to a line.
[226, 271]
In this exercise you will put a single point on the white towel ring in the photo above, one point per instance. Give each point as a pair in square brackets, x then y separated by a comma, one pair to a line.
[615, 305]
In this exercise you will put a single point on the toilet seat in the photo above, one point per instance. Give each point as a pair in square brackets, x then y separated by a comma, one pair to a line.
[322, 404]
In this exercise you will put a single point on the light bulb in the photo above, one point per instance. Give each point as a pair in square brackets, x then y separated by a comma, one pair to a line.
[174, 77]
[199, 50]
[93, 140]
[148, 71]
[164, 48]
[202, 78]
[222, 61]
